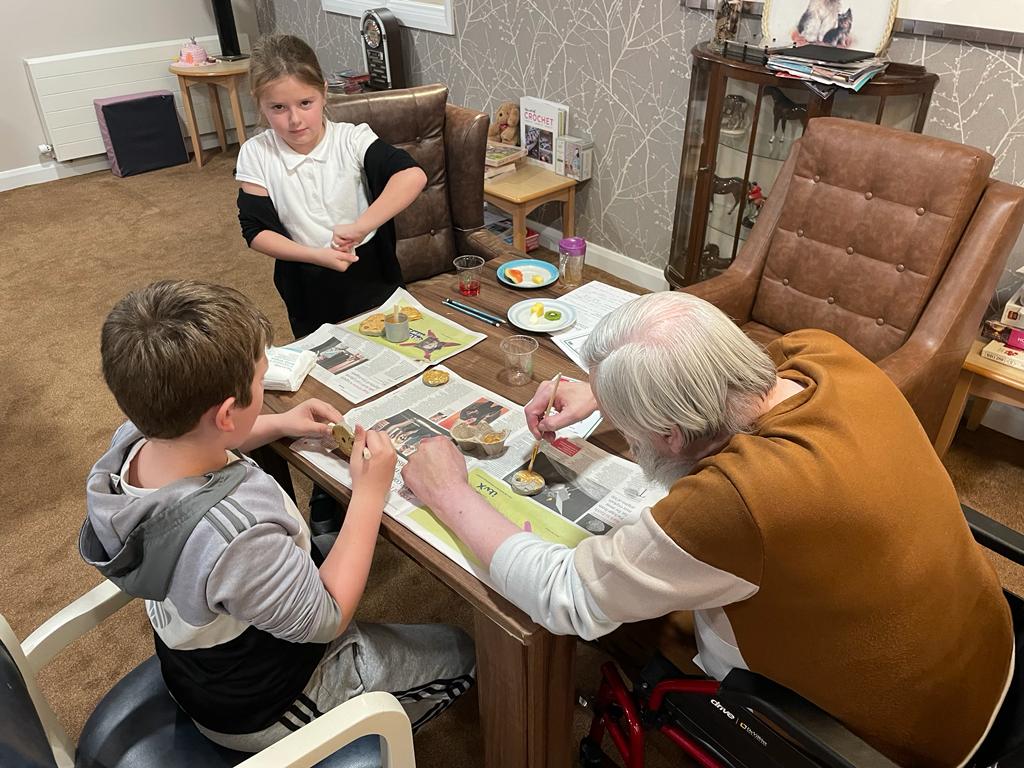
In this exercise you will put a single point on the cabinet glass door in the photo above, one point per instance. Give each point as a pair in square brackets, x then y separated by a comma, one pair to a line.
[758, 126]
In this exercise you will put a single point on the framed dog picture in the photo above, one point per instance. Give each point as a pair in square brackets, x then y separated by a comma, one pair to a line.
[861, 25]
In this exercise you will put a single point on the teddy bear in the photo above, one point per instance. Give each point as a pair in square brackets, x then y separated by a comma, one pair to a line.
[505, 128]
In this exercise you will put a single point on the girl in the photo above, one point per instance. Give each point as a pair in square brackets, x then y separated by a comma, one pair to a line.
[304, 200]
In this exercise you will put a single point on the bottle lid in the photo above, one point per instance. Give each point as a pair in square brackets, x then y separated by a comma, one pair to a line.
[574, 245]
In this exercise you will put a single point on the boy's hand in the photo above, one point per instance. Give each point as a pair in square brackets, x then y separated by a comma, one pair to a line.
[372, 477]
[309, 419]
[332, 259]
[435, 472]
[348, 236]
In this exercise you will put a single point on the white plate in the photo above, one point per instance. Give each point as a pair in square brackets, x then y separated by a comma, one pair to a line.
[519, 316]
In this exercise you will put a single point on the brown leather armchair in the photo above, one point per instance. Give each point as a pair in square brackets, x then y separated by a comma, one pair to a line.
[448, 142]
[892, 240]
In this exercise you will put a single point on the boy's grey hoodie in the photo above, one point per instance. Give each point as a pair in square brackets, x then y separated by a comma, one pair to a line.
[239, 612]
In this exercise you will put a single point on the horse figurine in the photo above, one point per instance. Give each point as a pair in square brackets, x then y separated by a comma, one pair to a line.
[784, 109]
[732, 185]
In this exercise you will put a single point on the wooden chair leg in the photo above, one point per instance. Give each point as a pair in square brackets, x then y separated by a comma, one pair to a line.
[978, 410]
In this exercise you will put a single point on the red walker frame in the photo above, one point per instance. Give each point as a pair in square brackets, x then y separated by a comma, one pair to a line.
[614, 703]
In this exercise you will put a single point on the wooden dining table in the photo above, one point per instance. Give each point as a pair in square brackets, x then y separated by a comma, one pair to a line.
[525, 674]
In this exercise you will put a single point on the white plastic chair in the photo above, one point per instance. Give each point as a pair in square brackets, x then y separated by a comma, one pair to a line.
[375, 713]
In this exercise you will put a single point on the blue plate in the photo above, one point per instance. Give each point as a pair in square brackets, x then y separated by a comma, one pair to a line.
[530, 268]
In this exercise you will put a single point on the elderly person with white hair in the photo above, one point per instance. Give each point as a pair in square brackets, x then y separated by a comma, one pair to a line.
[810, 528]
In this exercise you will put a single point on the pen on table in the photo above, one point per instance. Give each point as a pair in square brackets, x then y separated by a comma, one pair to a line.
[480, 312]
[482, 317]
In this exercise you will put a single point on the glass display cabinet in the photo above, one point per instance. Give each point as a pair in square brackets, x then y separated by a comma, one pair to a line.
[740, 124]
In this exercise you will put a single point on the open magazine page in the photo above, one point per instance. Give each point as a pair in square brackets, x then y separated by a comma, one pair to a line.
[352, 365]
[432, 338]
[588, 492]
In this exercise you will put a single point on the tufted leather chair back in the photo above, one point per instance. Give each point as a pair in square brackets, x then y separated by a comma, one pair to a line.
[891, 240]
[869, 223]
[448, 143]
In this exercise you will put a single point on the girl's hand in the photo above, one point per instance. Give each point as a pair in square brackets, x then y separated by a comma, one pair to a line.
[348, 236]
[309, 419]
[332, 259]
[371, 478]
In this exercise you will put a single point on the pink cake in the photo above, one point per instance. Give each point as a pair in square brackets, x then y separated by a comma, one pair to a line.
[192, 54]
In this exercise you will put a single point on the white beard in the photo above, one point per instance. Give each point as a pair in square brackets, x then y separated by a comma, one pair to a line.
[663, 470]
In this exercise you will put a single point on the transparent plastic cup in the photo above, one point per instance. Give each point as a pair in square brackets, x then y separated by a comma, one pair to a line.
[519, 359]
[469, 269]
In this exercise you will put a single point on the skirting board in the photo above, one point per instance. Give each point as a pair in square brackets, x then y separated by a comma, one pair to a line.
[650, 277]
[52, 170]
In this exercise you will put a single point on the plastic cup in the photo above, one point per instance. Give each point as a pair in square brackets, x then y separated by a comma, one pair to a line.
[572, 253]
[398, 332]
[469, 269]
[519, 359]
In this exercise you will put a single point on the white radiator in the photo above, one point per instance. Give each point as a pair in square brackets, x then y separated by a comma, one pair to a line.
[64, 87]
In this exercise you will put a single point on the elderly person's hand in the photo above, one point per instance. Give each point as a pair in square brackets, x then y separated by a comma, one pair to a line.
[436, 472]
[573, 402]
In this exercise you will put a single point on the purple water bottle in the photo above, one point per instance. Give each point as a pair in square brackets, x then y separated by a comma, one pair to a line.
[572, 252]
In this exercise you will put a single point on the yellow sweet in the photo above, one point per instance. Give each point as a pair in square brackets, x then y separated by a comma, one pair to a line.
[538, 279]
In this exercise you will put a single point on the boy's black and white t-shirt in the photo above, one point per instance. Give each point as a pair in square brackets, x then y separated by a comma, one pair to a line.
[240, 616]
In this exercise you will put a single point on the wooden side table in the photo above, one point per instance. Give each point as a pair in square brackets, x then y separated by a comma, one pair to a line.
[225, 74]
[987, 381]
[526, 189]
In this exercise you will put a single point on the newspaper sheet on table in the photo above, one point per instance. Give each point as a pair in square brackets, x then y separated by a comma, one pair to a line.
[359, 367]
[588, 492]
[592, 302]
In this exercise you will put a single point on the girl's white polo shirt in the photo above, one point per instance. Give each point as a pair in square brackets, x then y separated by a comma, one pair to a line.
[311, 193]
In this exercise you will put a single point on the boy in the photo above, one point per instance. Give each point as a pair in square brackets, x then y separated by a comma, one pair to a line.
[253, 639]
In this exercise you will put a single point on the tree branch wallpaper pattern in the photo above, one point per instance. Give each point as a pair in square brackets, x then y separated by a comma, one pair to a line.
[623, 70]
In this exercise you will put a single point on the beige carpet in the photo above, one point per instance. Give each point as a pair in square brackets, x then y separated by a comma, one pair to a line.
[68, 251]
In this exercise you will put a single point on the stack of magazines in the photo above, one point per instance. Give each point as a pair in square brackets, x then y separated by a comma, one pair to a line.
[1006, 336]
[500, 159]
[347, 81]
[828, 66]
[501, 225]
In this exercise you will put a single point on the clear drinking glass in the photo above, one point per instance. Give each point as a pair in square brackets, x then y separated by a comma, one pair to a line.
[519, 359]
[469, 268]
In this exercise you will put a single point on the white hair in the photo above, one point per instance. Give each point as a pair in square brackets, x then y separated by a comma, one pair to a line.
[671, 359]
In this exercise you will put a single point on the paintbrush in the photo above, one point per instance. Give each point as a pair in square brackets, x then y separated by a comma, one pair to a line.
[551, 401]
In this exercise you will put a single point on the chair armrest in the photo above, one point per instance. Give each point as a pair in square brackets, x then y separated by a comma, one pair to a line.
[485, 244]
[465, 141]
[733, 292]
[71, 622]
[811, 728]
[365, 715]
[993, 535]
[925, 368]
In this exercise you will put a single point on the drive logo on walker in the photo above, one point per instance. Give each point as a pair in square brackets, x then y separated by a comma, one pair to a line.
[750, 731]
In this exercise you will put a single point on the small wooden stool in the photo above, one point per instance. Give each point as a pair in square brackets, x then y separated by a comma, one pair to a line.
[987, 381]
[527, 188]
[226, 74]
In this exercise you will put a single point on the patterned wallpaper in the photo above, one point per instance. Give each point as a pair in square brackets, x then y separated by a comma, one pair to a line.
[623, 69]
